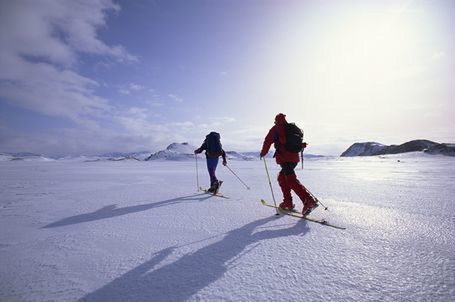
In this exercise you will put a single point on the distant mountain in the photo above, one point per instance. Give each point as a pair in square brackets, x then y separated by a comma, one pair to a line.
[373, 148]
[444, 149]
[255, 154]
[411, 146]
[175, 151]
[23, 156]
[184, 151]
[364, 149]
[116, 156]
[236, 155]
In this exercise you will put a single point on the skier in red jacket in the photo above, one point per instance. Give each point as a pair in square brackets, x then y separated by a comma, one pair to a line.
[287, 178]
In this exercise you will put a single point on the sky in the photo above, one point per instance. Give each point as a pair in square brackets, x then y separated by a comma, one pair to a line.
[90, 77]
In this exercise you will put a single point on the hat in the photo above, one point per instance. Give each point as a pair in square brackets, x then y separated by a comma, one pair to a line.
[280, 118]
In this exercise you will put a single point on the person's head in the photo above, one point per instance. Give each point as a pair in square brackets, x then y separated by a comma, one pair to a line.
[280, 119]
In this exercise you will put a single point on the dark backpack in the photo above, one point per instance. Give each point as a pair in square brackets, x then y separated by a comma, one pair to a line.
[213, 143]
[294, 138]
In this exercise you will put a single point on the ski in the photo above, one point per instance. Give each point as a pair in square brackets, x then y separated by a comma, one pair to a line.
[299, 215]
[218, 194]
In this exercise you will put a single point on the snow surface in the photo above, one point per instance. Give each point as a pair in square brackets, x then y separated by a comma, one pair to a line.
[139, 231]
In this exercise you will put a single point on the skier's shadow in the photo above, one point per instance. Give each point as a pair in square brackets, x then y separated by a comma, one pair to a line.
[180, 280]
[112, 210]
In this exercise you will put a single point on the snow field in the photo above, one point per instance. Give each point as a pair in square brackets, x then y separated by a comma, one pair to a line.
[139, 231]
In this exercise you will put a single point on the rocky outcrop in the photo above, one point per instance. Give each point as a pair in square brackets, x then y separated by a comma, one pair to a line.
[372, 148]
[444, 149]
[364, 149]
[411, 146]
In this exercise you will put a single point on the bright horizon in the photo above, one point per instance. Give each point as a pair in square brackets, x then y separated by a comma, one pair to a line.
[102, 76]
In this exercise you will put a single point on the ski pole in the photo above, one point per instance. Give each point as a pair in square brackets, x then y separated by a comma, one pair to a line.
[270, 184]
[197, 173]
[301, 156]
[237, 177]
[315, 198]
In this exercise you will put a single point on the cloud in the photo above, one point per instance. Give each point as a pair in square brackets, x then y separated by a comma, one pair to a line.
[214, 122]
[132, 87]
[223, 120]
[141, 123]
[124, 91]
[57, 30]
[155, 104]
[134, 129]
[40, 44]
[175, 98]
[136, 87]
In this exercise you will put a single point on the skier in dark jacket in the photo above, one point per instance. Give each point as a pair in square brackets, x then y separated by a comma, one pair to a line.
[287, 178]
[213, 150]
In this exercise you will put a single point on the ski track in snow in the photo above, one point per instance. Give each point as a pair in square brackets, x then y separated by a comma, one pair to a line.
[140, 231]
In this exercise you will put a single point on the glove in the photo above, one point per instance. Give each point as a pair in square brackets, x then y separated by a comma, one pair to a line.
[224, 163]
[304, 145]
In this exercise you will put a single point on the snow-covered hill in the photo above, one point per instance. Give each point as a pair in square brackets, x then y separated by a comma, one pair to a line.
[444, 149]
[126, 155]
[23, 156]
[233, 155]
[364, 149]
[185, 151]
[175, 151]
[373, 148]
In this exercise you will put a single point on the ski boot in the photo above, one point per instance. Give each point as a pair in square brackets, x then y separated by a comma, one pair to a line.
[213, 187]
[309, 206]
[217, 187]
[287, 205]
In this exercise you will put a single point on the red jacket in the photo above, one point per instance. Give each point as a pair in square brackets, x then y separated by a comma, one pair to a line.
[277, 137]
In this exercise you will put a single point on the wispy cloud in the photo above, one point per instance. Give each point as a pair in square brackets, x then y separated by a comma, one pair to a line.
[224, 119]
[130, 88]
[175, 98]
[45, 88]
[39, 55]
[124, 91]
[214, 122]
[135, 87]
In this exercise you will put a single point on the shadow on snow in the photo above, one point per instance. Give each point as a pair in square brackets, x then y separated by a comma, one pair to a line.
[112, 211]
[180, 280]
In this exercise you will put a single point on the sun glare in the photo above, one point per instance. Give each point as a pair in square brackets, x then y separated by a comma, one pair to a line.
[371, 51]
